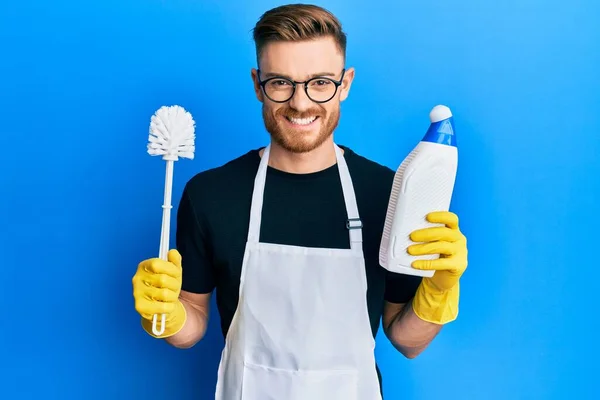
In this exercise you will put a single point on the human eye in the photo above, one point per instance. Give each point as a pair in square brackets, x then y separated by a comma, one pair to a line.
[321, 82]
[279, 83]
[320, 85]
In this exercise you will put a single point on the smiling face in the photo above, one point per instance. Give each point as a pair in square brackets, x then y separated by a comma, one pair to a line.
[302, 123]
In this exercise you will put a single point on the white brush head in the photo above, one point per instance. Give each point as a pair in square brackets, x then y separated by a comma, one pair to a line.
[172, 133]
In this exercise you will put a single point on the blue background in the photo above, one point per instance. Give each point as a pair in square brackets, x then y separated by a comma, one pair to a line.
[82, 198]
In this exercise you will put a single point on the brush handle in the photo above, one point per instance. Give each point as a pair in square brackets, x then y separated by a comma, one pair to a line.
[164, 234]
[166, 217]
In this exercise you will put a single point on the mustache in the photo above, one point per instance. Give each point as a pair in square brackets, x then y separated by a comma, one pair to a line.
[291, 113]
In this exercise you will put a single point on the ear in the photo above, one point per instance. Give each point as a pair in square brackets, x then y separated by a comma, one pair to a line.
[346, 83]
[257, 89]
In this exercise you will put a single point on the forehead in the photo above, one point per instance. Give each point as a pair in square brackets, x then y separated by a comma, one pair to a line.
[302, 59]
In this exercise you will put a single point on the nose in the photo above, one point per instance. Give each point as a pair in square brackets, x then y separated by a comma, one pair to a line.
[300, 101]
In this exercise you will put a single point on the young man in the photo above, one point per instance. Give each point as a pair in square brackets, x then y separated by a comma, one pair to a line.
[289, 236]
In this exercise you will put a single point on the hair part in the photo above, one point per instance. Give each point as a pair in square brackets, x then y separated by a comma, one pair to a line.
[297, 22]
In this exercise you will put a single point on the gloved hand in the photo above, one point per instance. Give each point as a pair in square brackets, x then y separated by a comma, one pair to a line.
[437, 297]
[156, 287]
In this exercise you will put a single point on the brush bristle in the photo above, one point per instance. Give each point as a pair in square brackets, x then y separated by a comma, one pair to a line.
[172, 133]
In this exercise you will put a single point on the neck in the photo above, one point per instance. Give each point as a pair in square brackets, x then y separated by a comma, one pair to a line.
[315, 160]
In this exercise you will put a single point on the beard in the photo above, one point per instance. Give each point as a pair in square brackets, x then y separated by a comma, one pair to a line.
[297, 141]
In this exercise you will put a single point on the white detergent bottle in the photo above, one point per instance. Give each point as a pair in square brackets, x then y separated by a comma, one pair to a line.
[423, 183]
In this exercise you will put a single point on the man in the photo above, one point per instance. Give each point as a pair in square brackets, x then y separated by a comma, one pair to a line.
[289, 236]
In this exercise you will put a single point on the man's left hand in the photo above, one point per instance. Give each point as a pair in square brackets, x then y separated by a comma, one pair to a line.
[437, 297]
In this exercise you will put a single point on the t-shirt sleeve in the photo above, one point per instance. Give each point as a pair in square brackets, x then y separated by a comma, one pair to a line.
[400, 288]
[192, 244]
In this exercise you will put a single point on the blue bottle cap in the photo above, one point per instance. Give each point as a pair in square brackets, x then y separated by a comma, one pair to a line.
[441, 129]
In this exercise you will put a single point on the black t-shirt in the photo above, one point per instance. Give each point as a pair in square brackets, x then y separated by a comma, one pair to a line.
[298, 209]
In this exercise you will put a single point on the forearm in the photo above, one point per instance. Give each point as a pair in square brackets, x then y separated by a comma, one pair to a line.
[410, 328]
[408, 333]
[193, 329]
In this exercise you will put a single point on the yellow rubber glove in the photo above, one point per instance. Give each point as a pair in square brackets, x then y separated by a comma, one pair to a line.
[156, 288]
[437, 297]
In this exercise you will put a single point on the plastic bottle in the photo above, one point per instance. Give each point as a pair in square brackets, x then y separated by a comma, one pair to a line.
[423, 183]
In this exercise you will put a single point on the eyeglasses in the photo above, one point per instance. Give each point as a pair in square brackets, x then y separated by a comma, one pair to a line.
[319, 89]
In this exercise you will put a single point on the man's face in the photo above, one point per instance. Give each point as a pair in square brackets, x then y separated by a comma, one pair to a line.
[300, 124]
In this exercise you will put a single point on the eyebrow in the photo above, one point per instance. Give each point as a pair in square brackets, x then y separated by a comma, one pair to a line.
[272, 74]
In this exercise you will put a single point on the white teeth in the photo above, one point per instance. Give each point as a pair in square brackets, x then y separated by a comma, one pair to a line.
[302, 121]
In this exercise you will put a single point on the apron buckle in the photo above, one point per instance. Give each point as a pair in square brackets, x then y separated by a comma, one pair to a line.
[349, 224]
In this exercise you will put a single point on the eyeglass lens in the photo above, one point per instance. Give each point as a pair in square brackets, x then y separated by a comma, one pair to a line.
[318, 89]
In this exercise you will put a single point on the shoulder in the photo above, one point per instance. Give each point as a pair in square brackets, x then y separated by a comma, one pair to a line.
[225, 180]
[367, 173]
[373, 183]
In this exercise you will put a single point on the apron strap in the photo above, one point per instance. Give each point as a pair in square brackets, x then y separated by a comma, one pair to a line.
[257, 197]
[353, 223]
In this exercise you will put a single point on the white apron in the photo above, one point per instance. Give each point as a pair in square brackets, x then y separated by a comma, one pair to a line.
[301, 330]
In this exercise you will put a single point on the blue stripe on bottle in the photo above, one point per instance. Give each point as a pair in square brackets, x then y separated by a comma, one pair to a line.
[441, 132]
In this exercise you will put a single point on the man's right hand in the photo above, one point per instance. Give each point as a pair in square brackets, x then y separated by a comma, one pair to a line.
[156, 288]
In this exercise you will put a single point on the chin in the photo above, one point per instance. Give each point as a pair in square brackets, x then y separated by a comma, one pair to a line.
[298, 135]
[300, 143]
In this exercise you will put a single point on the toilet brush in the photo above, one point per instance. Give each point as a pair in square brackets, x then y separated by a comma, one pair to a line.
[171, 136]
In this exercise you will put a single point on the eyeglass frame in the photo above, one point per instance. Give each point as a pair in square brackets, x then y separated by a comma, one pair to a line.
[305, 83]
